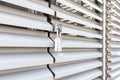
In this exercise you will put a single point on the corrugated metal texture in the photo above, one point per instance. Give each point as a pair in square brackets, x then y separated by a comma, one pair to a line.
[81, 40]
[24, 40]
[113, 40]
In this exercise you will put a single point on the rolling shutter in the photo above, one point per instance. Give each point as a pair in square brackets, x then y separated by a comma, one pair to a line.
[81, 40]
[113, 40]
[24, 40]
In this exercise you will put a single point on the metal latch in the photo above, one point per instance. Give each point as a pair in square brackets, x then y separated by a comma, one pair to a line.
[58, 40]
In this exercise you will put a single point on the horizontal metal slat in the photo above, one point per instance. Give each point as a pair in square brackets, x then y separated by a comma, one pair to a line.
[116, 78]
[115, 59]
[114, 3]
[115, 11]
[35, 74]
[60, 13]
[114, 41]
[114, 38]
[14, 40]
[115, 66]
[15, 20]
[113, 24]
[116, 32]
[41, 2]
[72, 56]
[92, 5]
[79, 19]
[115, 52]
[77, 7]
[22, 31]
[114, 18]
[74, 31]
[112, 45]
[67, 43]
[118, 1]
[77, 30]
[115, 73]
[4, 50]
[92, 74]
[70, 69]
[78, 42]
[31, 5]
[11, 10]
[20, 60]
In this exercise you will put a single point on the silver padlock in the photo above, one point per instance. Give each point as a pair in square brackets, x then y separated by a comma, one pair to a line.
[58, 40]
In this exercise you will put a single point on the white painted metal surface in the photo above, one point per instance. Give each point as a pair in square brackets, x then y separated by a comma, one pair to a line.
[37, 74]
[82, 76]
[73, 68]
[79, 8]
[60, 13]
[114, 40]
[77, 30]
[27, 40]
[23, 41]
[80, 41]
[20, 21]
[13, 40]
[78, 20]
[20, 60]
[31, 5]
[92, 5]
[73, 56]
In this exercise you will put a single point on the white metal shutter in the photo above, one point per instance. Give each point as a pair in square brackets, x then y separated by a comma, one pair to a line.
[81, 40]
[27, 38]
[24, 40]
[113, 40]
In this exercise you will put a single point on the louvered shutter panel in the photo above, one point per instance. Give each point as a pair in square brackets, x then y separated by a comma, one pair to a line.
[24, 40]
[28, 32]
[81, 39]
[113, 40]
